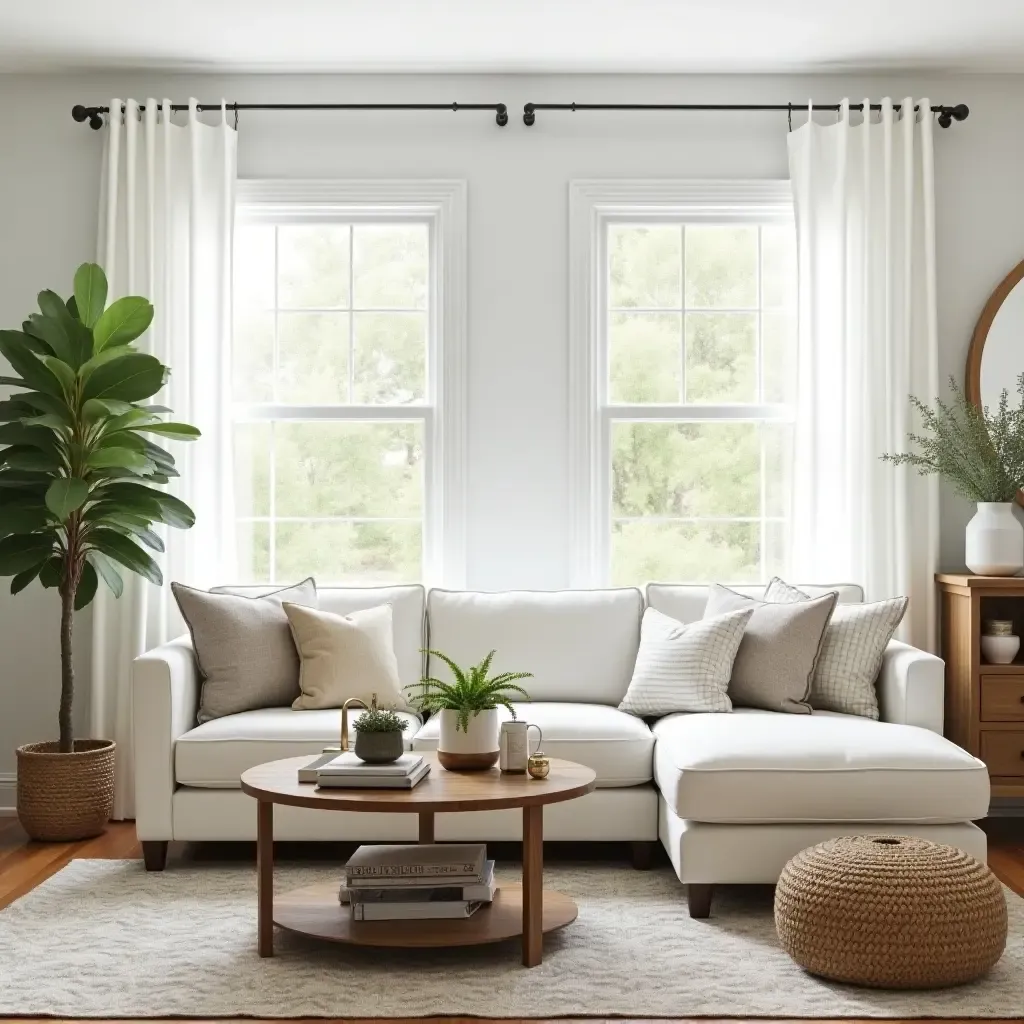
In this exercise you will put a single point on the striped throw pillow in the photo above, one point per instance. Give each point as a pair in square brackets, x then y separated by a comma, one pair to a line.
[684, 667]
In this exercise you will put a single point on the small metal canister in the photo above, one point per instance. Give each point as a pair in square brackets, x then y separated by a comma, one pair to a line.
[538, 765]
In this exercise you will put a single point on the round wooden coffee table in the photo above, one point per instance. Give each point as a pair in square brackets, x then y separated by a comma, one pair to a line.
[528, 910]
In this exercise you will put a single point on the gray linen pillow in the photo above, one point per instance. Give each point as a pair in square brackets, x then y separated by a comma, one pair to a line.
[243, 647]
[775, 663]
[851, 653]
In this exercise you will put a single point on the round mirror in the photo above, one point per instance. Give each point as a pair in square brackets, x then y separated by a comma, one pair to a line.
[996, 357]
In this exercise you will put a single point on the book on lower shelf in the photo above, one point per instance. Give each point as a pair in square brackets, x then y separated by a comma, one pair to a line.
[477, 892]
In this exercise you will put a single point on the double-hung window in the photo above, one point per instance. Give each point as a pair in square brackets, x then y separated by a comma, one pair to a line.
[346, 362]
[683, 380]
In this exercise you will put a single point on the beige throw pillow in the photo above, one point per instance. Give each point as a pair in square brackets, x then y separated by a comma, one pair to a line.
[345, 656]
[243, 647]
[777, 657]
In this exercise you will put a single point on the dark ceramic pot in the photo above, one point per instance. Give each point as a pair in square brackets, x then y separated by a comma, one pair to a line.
[379, 747]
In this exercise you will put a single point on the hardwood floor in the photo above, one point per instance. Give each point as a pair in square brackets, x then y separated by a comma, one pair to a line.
[23, 865]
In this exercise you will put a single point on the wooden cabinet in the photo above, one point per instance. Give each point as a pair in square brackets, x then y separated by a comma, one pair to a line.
[984, 703]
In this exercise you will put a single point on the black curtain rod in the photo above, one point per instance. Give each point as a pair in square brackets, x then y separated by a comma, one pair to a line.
[947, 115]
[92, 114]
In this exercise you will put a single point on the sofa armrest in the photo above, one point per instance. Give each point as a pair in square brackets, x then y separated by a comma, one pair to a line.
[165, 696]
[911, 687]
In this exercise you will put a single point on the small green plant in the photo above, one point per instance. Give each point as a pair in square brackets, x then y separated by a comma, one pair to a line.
[472, 691]
[379, 720]
[979, 451]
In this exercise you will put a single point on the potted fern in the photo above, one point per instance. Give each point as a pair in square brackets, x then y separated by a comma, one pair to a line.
[981, 453]
[79, 494]
[467, 710]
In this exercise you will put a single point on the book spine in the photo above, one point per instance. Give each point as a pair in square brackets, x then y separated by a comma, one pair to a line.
[413, 870]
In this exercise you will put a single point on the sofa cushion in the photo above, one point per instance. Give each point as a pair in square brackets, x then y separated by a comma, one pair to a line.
[580, 645]
[407, 610]
[686, 602]
[760, 766]
[214, 755]
[617, 746]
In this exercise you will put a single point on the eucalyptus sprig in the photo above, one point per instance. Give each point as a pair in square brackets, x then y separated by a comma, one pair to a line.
[979, 451]
[472, 691]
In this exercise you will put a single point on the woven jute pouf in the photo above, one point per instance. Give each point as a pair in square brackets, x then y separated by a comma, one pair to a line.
[65, 796]
[890, 912]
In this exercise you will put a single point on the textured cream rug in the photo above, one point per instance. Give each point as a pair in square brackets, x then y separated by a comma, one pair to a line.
[105, 939]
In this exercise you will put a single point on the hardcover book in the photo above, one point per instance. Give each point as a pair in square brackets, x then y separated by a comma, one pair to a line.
[361, 781]
[349, 764]
[406, 862]
[481, 892]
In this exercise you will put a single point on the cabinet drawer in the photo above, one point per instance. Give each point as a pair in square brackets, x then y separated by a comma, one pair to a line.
[1003, 752]
[1002, 699]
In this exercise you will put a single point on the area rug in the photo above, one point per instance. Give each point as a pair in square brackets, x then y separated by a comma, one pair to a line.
[107, 939]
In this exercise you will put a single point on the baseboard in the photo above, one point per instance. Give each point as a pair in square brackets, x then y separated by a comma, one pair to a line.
[8, 788]
[1006, 807]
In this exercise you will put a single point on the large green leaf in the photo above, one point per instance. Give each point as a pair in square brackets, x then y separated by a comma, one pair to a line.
[34, 460]
[120, 458]
[121, 549]
[122, 322]
[107, 355]
[171, 510]
[110, 575]
[52, 333]
[62, 372]
[179, 431]
[22, 519]
[48, 420]
[22, 551]
[23, 433]
[65, 496]
[90, 293]
[55, 405]
[36, 376]
[86, 589]
[52, 572]
[79, 337]
[14, 409]
[131, 379]
[23, 579]
[39, 345]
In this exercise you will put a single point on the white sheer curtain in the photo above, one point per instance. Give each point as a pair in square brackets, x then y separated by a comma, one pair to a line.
[864, 195]
[165, 229]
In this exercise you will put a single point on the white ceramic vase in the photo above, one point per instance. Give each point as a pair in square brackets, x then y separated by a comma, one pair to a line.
[995, 540]
[999, 650]
[472, 749]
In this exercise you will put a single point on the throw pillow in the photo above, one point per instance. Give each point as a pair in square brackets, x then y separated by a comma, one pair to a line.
[243, 647]
[781, 644]
[851, 653]
[684, 667]
[345, 656]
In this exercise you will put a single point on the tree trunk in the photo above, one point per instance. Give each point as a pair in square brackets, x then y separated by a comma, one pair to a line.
[67, 668]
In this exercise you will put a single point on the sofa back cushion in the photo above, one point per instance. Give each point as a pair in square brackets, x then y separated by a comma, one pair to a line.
[407, 610]
[580, 645]
[686, 602]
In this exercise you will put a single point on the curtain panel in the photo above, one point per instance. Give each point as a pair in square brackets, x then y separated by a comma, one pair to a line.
[864, 198]
[165, 232]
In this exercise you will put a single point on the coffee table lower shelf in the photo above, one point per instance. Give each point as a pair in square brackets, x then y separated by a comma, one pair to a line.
[315, 911]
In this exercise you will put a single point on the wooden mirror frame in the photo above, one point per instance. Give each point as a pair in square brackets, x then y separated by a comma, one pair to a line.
[972, 373]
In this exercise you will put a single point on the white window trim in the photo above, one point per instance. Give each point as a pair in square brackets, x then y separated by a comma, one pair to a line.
[443, 204]
[592, 204]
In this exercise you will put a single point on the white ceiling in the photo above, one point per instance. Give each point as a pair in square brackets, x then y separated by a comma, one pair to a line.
[513, 35]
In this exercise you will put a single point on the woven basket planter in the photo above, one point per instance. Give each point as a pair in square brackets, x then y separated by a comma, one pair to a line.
[890, 912]
[65, 796]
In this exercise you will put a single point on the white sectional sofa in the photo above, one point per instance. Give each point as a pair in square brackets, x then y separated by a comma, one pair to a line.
[731, 797]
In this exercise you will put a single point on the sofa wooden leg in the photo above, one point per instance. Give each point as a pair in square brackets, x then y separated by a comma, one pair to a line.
[699, 899]
[642, 854]
[154, 853]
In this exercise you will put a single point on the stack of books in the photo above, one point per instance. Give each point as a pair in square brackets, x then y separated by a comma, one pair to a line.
[346, 771]
[417, 883]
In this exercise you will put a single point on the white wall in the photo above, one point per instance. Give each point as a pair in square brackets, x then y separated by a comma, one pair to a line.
[517, 254]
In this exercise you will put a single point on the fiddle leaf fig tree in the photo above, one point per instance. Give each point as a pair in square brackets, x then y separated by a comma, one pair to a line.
[80, 474]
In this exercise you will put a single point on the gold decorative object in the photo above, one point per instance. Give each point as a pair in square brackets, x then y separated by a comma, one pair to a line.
[538, 765]
[354, 702]
[998, 627]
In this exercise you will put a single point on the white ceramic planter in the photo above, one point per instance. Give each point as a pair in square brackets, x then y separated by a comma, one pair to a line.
[468, 750]
[999, 650]
[995, 540]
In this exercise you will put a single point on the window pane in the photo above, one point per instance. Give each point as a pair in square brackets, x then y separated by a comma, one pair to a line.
[721, 357]
[254, 267]
[776, 549]
[253, 450]
[253, 546]
[391, 266]
[645, 267]
[312, 358]
[349, 552]
[252, 355]
[778, 468]
[312, 265]
[390, 358]
[685, 469]
[721, 266]
[349, 469]
[699, 552]
[778, 266]
[778, 356]
[645, 356]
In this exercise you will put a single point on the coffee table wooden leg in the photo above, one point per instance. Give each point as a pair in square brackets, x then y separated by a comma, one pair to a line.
[426, 826]
[533, 885]
[265, 876]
